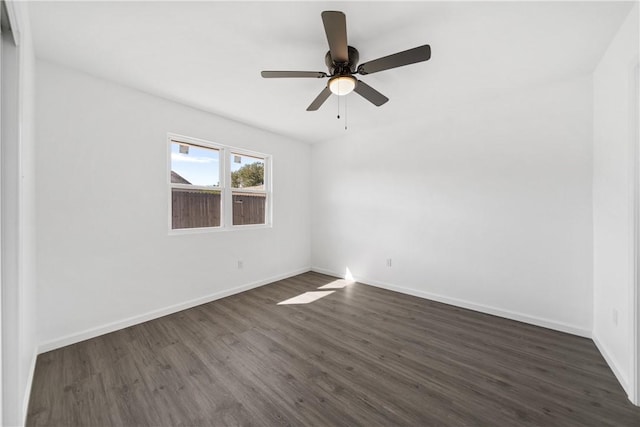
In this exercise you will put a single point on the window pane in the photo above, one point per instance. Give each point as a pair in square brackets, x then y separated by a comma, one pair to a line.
[191, 164]
[247, 172]
[195, 208]
[248, 208]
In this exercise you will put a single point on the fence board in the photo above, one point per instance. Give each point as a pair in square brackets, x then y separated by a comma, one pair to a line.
[201, 208]
[248, 209]
[194, 208]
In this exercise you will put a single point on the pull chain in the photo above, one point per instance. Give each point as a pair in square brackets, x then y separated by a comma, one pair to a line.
[345, 110]
[345, 113]
[339, 99]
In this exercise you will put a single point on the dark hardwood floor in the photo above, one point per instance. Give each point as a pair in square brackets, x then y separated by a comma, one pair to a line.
[361, 356]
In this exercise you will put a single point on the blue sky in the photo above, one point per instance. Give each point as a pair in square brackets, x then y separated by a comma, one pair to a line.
[201, 166]
[244, 160]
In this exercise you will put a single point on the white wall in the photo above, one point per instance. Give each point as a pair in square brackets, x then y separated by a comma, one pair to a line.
[18, 228]
[105, 259]
[486, 204]
[612, 188]
[10, 156]
[28, 272]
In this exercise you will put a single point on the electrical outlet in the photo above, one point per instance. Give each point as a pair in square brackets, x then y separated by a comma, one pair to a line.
[615, 317]
[389, 262]
[240, 264]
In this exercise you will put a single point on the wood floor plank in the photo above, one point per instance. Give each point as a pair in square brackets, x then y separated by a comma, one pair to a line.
[359, 356]
[383, 366]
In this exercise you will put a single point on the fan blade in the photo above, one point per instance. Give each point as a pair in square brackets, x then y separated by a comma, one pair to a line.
[335, 26]
[411, 56]
[370, 94]
[279, 74]
[319, 99]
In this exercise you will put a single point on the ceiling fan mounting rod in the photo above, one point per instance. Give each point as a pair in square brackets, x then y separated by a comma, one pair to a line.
[343, 69]
[340, 67]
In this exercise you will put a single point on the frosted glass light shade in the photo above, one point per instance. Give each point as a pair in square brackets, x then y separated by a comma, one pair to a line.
[342, 85]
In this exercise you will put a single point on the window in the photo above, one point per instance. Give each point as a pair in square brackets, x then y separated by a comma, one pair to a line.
[248, 190]
[195, 186]
[216, 187]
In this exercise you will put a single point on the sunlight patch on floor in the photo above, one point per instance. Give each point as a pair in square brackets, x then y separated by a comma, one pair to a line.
[336, 284]
[306, 297]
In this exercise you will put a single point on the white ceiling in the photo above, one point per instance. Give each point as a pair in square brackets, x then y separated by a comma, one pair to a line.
[209, 54]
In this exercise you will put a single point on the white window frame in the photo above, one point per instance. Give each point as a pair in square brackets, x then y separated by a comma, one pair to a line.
[234, 151]
[226, 197]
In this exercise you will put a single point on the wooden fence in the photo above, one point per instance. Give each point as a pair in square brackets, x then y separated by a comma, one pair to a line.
[192, 209]
[248, 209]
[197, 208]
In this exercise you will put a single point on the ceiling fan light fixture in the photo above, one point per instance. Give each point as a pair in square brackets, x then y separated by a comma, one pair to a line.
[342, 85]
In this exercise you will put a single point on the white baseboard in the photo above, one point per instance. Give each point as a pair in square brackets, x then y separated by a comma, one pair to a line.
[27, 391]
[507, 314]
[328, 272]
[125, 323]
[612, 364]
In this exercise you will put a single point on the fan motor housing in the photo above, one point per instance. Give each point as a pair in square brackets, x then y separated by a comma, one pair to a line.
[336, 68]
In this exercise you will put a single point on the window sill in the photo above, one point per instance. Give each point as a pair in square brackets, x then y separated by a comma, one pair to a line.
[205, 230]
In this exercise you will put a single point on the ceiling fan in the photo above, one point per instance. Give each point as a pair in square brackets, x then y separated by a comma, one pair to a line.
[342, 60]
